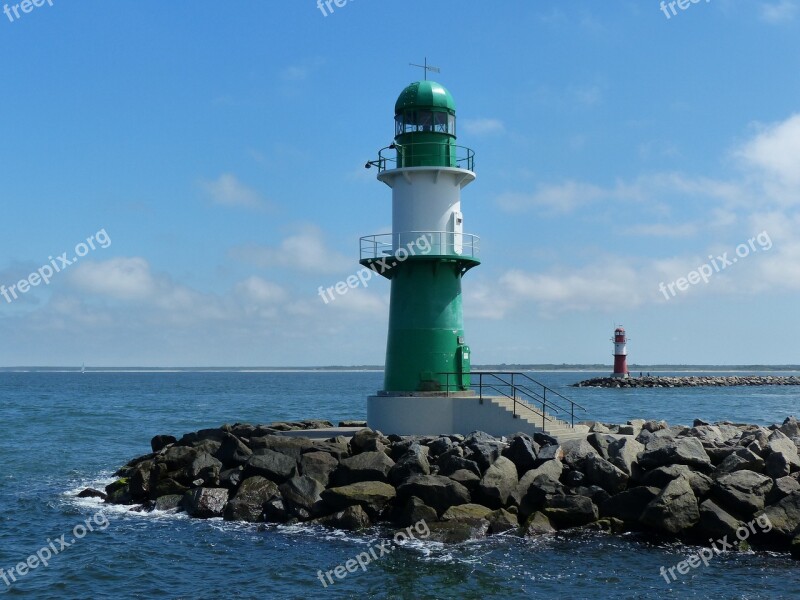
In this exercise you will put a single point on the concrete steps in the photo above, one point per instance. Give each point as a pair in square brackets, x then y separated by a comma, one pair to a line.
[532, 417]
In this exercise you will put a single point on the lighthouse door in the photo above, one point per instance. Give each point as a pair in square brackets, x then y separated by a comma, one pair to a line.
[458, 231]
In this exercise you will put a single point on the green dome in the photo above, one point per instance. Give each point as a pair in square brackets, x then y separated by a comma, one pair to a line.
[425, 95]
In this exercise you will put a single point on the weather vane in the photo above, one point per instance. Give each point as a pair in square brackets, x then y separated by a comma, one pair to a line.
[427, 68]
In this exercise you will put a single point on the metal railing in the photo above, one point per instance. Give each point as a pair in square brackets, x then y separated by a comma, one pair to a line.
[522, 389]
[419, 243]
[408, 155]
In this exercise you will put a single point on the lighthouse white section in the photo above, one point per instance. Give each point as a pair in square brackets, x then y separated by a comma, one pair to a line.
[428, 200]
[620, 349]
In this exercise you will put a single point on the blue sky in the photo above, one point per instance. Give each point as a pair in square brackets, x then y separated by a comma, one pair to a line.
[221, 148]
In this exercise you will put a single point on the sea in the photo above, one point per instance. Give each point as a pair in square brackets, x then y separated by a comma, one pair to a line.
[61, 432]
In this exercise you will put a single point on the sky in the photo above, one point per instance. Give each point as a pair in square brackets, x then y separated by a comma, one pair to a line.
[213, 155]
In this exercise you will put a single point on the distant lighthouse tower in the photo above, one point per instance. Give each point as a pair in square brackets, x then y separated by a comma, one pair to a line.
[425, 257]
[620, 353]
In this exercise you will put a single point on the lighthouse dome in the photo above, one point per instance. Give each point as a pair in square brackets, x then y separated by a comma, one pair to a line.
[425, 95]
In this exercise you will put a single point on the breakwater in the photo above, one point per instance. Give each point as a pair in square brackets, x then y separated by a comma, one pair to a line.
[686, 483]
[688, 381]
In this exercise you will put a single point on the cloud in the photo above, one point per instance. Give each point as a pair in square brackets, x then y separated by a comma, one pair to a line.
[482, 126]
[779, 12]
[305, 251]
[227, 190]
[119, 278]
[663, 230]
[774, 153]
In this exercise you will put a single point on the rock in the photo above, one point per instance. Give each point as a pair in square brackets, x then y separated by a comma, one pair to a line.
[576, 452]
[231, 478]
[533, 497]
[365, 440]
[171, 502]
[538, 524]
[660, 477]
[743, 492]
[450, 464]
[628, 430]
[630, 504]
[466, 478]
[783, 487]
[667, 451]
[440, 446]
[623, 454]
[484, 453]
[413, 462]
[457, 532]
[92, 493]
[574, 478]
[594, 492]
[293, 447]
[598, 428]
[301, 496]
[205, 467]
[373, 496]
[119, 492]
[653, 426]
[498, 483]
[743, 459]
[716, 522]
[168, 487]
[544, 440]
[275, 511]
[352, 423]
[466, 512]
[522, 453]
[365, 466]
[601, 472]
[782, 456]
[248, 503]
[206, 503]
[178, 457]
[601, 442]
[790, 427]
[160, 442]
[415, 511]
[501, 521]
[232, 451]
[273, 465]
[318, 465]
[707, 433]
[785, 515]
[436, 491]
[548, 453]
[674, 510]
[352, 518]
[570, 511]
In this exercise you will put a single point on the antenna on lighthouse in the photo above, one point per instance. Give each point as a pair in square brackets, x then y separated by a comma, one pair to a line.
[426, 67]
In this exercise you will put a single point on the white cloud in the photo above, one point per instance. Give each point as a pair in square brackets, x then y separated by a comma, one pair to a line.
[775, 154]
[663, 229]
[118, 278]
[305, 251]
[227, 190]
[779, 12]
[482, 126]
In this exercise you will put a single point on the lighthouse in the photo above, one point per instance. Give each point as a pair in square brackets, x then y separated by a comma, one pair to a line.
[620, 353]
[425, 258]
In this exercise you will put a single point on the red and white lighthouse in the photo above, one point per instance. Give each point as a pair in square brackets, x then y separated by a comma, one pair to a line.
[620, 353]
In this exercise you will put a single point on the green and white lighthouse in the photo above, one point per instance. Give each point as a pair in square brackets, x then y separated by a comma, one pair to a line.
[425, 256]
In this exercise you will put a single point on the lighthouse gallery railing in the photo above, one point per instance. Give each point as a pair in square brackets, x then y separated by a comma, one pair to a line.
[522, 389]
[420, 243]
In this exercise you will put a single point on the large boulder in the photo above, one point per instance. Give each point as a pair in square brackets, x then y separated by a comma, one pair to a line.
[272, 465]
[743, 459]
[366, 440]
[373, 496]
[624, 454]
[206, 503]
[501, 521]
[674, 510]
[436, 491]
[415, 511]
[484, 453]
[717, 522]
[533, 498]
[790, 427]
[450, 463]
[466, 478]
[668, 451]
[552, 468]
[522, 452]
[160, 442]
[248, 503]
[660, 477]
[782, 456]
[205, 467]
[743, 492]
[576, 452]
[301, 496]
[600, 472]
[630, 504]
[570, 511]
[365, 466]
[352, 518]
[466, 512]
[293, 447]
[413, 462]
[233, 452]
[785, 515]
[318, 465]
[538, 524]
[498, 483]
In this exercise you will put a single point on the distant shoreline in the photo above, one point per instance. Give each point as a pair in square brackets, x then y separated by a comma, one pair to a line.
[374, 368]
